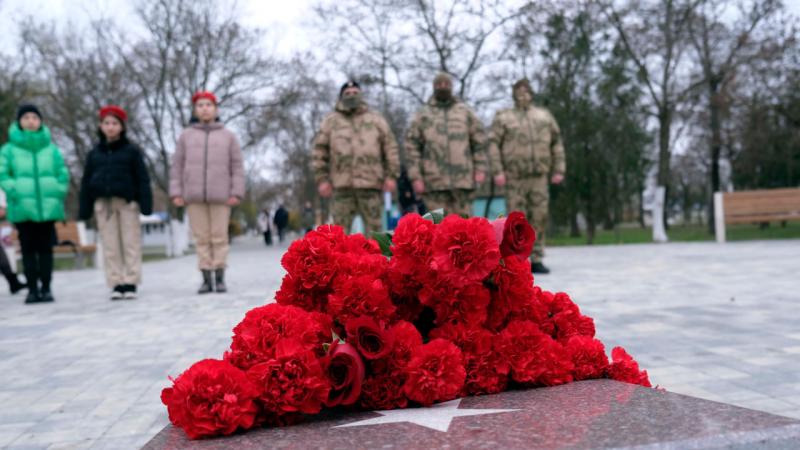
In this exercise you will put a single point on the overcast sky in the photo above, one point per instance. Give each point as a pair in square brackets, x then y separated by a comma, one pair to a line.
[283, 19]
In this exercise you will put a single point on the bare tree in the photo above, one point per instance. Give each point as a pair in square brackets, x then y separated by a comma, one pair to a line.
[655, 34]
[406, 43]
[721, 50]
[191, 45]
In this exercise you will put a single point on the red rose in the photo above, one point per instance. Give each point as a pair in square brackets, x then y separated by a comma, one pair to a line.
[589, 357]
[255, 337]
[515, 235]
[464, 250]
[346, 373]
[211, 398]
[435, 373]
[624, 368]
[355, 296]
[535, 358]
[370, 337]
[291, 382]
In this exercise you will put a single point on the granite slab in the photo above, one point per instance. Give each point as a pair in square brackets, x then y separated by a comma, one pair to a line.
[584, 415]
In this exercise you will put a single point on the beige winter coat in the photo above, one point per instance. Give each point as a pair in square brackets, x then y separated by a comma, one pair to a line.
[207, 165]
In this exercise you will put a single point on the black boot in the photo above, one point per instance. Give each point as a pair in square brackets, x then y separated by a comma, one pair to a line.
[219, 282]
[538, 267]
[31, 263]
[33, 295]
[14, 285]
[46, 275]
[207, 285]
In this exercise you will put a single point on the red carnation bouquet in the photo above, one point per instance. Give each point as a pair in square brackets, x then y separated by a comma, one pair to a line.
[443, 307]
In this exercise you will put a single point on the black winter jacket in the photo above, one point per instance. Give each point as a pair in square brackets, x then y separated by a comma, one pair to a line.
[115, 169]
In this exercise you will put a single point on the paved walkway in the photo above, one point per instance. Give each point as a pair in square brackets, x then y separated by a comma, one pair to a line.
[718, 322]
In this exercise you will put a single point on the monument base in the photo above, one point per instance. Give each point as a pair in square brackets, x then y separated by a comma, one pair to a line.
[583, 415]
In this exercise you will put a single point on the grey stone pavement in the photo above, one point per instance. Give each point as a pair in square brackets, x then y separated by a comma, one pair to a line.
[714, 321]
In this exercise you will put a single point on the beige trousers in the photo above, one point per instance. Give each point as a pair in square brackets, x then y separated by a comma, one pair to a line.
[209, 223]
[121, 234]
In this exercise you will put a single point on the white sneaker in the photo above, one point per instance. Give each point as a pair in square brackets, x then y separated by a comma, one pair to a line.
[116, 295]
[130, 292]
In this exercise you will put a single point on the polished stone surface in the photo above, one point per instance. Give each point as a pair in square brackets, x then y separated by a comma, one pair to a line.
[584, 415]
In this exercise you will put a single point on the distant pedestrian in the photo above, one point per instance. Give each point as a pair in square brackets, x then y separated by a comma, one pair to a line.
[36, 181]
[115, 189]
[281, 221]
[309, 217]
[265, 226]
[207, 176]
[14, 285]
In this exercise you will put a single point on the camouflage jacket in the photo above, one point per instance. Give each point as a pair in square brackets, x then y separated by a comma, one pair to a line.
[355, 150]
[445, 145]
[525, 143]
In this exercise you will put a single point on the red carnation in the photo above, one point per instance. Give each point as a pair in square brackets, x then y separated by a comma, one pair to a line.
[291, 382]
[311, 261]
[515, 235]
[411, 244]
[370, 337]
[435, 373]
[211, 398]
[514, 297]
[384, 391]
[570, 323]
[464, 250]
[466, 303]
[535, 358]
[589, 357]
[358, 244]
[355, 296]
[255, 337]
[624, 368]
[487, 370]
[345, 372]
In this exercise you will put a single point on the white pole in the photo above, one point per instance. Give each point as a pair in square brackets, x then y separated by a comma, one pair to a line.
[659, 233]
[719, 217]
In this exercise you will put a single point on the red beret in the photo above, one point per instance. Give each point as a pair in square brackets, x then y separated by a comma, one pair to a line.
[115, 111]
[204, 94]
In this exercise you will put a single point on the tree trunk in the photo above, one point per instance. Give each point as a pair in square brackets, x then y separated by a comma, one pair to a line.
[715, 147]
[665, 124]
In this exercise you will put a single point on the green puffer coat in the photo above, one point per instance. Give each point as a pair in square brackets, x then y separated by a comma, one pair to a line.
[33, 175]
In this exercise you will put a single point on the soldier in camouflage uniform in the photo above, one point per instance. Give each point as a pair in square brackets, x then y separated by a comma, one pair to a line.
[446, 151]
[355, 157]
[527, 154]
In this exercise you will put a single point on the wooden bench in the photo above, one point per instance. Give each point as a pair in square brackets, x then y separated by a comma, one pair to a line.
[762, 206]
[71, 237]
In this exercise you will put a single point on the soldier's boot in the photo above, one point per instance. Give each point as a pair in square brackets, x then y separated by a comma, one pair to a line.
[538, 267]
[219, 281]
[207, 285]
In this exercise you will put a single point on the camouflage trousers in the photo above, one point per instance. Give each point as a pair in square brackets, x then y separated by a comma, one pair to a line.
[367, 203]
[456, 201]
[531, 196]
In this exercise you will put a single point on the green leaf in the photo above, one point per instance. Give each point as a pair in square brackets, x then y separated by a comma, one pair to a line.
[435, 216]
[385, 242]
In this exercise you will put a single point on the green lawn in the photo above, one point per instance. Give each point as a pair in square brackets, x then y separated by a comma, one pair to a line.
[690, 233]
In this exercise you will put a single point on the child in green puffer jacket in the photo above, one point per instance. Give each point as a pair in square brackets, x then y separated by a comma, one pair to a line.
[36, 180]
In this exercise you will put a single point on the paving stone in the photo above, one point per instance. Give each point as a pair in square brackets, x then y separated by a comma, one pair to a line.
[708, 319]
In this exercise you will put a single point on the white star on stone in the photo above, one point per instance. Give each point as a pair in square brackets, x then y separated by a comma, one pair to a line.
[436, 417]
